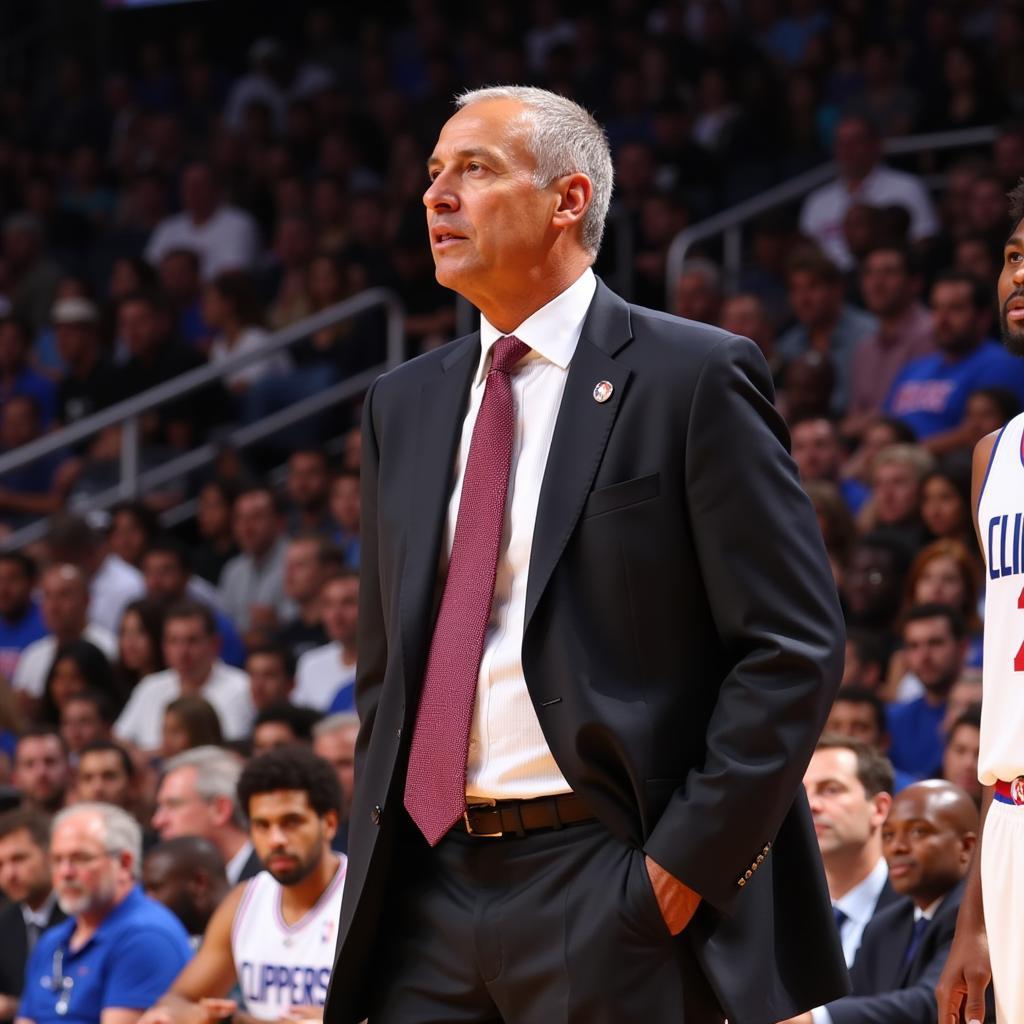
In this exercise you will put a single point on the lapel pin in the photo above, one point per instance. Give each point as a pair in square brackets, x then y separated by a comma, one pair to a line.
[603, 390]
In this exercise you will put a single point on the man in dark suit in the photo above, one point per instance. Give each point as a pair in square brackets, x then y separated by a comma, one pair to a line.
[25, 881]
[928, 840]
[578, 791]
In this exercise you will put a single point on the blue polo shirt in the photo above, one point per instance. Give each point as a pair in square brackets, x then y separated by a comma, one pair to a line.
[131, 960]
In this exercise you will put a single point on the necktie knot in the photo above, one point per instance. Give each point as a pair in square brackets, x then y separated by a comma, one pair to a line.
[841, 917]
[508, 351]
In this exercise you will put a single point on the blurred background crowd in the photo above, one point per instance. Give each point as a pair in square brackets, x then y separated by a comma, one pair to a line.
[177, 183]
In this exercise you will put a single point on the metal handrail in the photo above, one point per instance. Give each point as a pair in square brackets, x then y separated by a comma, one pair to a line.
[130, 410]
[729, 223]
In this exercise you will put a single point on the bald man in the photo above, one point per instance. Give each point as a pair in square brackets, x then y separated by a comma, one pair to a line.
[65, 610]
[187, 876]
[928, 839]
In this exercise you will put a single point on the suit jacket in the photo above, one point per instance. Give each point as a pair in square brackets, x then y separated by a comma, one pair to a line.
[14, 946]
[682, 639]
[886, 989]
[886, 897]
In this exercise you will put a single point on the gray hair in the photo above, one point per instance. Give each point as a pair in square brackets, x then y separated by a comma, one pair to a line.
[564, 139]
[217, 775]
[704, 268]
[121, 832]
[335, 723]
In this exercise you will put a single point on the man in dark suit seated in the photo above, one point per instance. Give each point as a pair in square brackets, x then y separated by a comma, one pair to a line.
[25, 881]
[928, 840]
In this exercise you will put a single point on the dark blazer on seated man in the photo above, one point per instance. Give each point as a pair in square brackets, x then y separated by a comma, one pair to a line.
[14, 947]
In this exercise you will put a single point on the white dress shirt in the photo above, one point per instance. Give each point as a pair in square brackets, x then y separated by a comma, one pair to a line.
[508, 755]
[36, 660]
[320, 674]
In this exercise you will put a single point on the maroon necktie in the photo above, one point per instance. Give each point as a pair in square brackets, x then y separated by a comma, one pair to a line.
[435, 785]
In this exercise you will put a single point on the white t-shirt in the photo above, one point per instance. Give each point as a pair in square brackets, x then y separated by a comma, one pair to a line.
[226, 241]
[227, 690]
[115, 585]
[35, 661]
[319, 675]
[252, 338]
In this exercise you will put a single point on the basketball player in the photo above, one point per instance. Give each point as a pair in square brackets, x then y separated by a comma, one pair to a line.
[274, 935]
[989, 943]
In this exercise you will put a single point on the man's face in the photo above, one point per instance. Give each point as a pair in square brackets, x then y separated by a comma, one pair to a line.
[81, 724]
[845, 817]
[179, 277]
[85, 874]
[958, 326]
[302, 570]
[64, 601]
[744, 315]
[1010, 289]
[189, 649]
[885, 284]
[289, 837]
[856, 721]
[75, 342]
[255, 522]
[307, 480]
[696, 297]
[345, 503]
[15, 590]
[338, 747]
[142, 328]
[871, 583]
[490, 225]
[815, 302]
[339, 603]
[180, 810]
[165, 578]
[272, 736]
[24, 868]
[856, 150]
[816, 450]
[896, 490]
[268, 680]
[933, 654]
[198, 191]
[101, 776]
[18, 422]
[960, 759]
[170, 884]
[41, 770]
[926, 854]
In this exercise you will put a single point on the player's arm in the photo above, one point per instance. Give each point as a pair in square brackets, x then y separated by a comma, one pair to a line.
[967, 972]
[211, 972]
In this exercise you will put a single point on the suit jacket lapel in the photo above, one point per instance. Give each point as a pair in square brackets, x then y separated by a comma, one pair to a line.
[440, 410]
[581, 433]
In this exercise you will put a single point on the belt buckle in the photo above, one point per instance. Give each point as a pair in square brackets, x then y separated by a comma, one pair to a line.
[469, 827]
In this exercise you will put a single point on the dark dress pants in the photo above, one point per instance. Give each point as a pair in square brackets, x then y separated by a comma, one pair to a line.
[554, 927]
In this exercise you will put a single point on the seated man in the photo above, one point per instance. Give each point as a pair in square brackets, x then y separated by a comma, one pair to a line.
[119, 949]
[292, 798]
[187, 876]
[928, 839]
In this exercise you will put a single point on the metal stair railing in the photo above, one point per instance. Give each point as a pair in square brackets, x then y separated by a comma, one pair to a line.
[730, 223]
[128, 412]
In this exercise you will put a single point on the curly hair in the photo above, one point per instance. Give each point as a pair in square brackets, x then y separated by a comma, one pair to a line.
[292, 768]
[1016, 201]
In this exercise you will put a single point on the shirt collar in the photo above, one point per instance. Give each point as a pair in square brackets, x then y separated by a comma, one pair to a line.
[552, 332]
[40, 917]
[236, 864]
[859, 903]
[929, 912]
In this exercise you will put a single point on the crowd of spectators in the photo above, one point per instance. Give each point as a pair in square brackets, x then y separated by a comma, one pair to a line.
[175, 208]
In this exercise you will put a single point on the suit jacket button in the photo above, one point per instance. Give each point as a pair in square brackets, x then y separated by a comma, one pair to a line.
[375, 814]
[747, 875]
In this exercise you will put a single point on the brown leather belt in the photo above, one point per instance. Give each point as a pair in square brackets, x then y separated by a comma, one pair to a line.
[517, 817]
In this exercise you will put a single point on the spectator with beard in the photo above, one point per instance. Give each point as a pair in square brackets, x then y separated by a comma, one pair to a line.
[930, 393]
[271, 671]
[41, 768]
[187, 876]
[119, 949]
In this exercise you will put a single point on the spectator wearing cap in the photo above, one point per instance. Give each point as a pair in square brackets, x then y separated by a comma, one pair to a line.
[87, 385]
[33, 278]
[225, 237]
[16, 376]
[824, 322]
[863, 178]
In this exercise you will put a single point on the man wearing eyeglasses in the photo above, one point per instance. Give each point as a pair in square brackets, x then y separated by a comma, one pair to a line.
[119, 949]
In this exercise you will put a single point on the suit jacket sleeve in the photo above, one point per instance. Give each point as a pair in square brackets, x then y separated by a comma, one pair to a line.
[372, 628]
[776, 610]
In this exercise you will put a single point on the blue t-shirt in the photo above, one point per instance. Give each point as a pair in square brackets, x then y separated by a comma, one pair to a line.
[930, 393]
[16, 636]
[344, 699]
[915, 731]
[131, 960]
[232, 650]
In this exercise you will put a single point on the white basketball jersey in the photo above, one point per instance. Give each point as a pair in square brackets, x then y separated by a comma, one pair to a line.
[281, 965]
[1001, 528]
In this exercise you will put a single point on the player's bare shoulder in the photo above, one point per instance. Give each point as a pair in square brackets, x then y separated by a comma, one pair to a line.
[979, 467]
